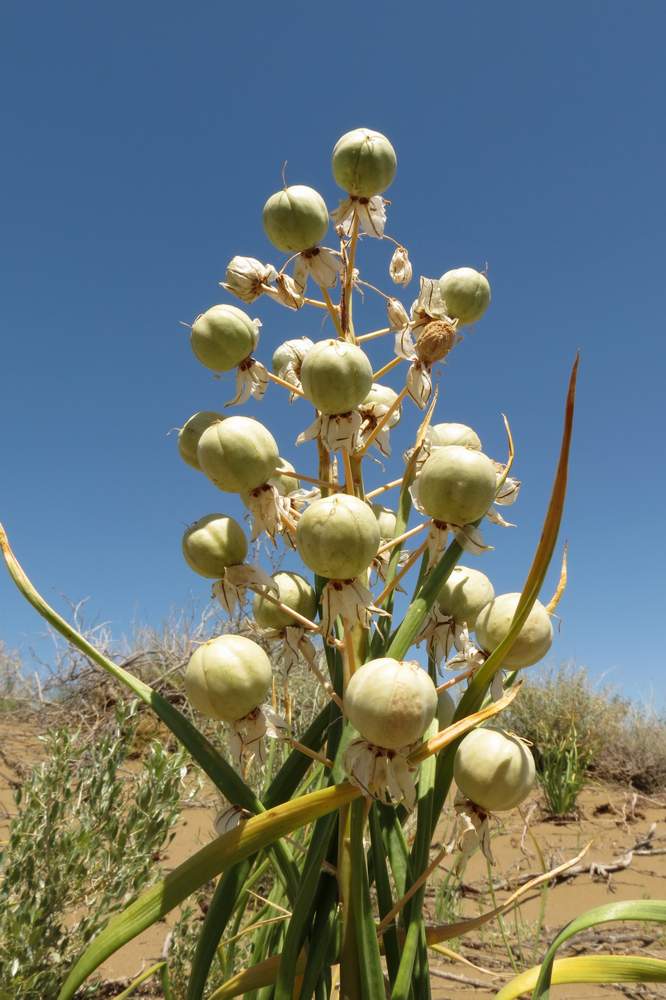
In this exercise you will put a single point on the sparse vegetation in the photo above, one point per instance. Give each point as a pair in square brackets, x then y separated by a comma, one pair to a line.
[568, 717]
[86, 836]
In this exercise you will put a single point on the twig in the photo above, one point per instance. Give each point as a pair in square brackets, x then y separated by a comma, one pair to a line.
[383, 489]
[402, 538]
[381, 424]
[375, 333]
[416, 554]
[455, 680]
[466, 980]
[308, 479]
[387, 368]
[423, 877]
[283, 382]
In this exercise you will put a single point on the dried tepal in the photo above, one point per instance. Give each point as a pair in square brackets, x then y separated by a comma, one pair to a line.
[326, 833]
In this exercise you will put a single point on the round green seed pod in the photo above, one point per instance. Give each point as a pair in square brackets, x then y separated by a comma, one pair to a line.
[191, 431]
[228, 677]
[457, 485]
[238, 454]
[212, 543]
[386, 520]
[338, 536]
[290, 351]
[442, 435]
[294, 591]
[295, 218]
[446, 709]
[466, 294]
[364, 162]
[336, 376]
[382, 395]
[222, 337]
[494, 771]
[464, 594]
[390, 702]
[534, 639]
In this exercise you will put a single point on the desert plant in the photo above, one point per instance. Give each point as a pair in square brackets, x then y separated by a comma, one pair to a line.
[345, 886]
[616, 740]
[561, 770]
[85, 837]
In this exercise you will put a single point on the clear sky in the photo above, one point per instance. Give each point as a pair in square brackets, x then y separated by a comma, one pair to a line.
[140, 141]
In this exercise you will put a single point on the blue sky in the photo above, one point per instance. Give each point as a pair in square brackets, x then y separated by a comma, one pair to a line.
[140, 142]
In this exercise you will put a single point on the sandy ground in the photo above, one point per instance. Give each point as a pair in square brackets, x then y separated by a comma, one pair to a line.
[611, 818]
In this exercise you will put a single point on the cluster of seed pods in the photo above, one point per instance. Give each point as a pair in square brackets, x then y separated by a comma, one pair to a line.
[341, 537]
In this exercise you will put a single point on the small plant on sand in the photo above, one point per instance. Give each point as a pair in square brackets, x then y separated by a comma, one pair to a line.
[342, 833]
[85, 839]
[561, 769]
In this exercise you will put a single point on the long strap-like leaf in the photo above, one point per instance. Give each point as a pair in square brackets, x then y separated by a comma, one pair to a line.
[632, 909]
[241, 843]
[216, 767]
[590, 969]
[202, 750]
[372, 974]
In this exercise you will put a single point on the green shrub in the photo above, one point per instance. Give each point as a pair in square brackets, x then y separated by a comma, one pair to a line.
[561, 771]
[84, 840]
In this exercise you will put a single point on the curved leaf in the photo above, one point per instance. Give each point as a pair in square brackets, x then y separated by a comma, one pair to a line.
[590, 969]
[630, 909]
[372, 974]
[235, 846]
[216, 767]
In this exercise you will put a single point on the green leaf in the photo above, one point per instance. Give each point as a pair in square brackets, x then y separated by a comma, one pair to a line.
[221, 773]
[219, 911]
[302, 911]
[542, 557]
[473, 697]
[383, 889]
[632, 909]
[322, 938]
[405, 979]
[590, 969]
[233, 847]
[426, 596]
[372, 974]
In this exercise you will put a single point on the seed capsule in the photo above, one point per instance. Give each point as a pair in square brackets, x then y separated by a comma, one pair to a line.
[386, 520]
[291, 353]
[534, 639]
[228, 677]
[294, 591]
[381, 395]
[442, 435]
[295, 218]
[364, 162]
[238, 454]
[191, 431]
[494, 771]
[390, 702]
[212, 543]
[222, 337]
[336, 376]
[466, 294]
[446, 709]
[338, 536]
[457, 485]
[464, 594]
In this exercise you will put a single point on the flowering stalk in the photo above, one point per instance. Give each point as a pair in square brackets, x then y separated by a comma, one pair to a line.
[380, 741]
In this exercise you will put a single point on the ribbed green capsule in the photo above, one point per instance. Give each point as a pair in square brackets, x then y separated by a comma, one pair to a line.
[295, 218]
[364, 162]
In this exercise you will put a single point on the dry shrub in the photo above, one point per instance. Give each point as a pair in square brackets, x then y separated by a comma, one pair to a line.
[623, 742]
